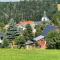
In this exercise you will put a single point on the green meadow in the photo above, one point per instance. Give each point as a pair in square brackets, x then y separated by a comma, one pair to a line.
[31, 54]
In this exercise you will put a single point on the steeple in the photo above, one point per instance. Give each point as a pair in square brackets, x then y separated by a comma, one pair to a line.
[44, 14]
[45, 18]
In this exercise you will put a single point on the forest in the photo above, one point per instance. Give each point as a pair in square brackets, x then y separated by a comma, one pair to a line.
[26, 10]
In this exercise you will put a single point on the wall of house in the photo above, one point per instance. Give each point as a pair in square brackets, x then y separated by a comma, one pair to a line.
[42, 43]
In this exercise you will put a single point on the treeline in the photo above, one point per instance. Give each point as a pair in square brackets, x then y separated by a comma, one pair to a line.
[25, 10]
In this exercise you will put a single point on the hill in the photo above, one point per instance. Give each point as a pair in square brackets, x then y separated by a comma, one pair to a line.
[26, 10]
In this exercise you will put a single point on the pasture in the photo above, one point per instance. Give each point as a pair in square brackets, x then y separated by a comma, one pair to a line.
[32, 54]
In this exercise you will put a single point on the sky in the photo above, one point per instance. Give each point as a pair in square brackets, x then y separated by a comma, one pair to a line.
[9, 0]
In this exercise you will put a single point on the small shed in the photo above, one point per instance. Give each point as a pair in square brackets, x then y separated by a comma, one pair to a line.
[41, 41]
[1, 39]
[29, 44]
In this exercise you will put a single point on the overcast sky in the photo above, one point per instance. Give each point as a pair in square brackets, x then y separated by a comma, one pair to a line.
[9, 0]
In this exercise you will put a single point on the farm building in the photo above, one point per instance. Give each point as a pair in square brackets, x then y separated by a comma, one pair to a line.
[29, 44]
[41, 41]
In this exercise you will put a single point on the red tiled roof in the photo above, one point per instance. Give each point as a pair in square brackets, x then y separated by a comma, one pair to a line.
[25, 23]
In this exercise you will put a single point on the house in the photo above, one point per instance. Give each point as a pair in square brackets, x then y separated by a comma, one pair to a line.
[22, 25]
[41, 41]
[29, 44]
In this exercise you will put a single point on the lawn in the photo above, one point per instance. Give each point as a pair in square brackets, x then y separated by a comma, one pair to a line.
[32, 54]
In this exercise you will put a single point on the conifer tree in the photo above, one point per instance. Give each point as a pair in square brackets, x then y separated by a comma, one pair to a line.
[12, 31]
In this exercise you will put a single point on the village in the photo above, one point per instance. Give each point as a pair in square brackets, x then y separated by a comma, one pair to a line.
[24, 34]
[29, 29]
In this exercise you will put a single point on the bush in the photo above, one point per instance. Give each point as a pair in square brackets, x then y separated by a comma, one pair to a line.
[53, 40]
[20, 41]
[5, 44]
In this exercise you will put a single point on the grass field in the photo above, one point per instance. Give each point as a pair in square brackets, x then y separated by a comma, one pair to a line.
[33, 54]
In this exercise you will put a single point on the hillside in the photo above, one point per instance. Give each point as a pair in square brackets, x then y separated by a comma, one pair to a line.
[25, 10]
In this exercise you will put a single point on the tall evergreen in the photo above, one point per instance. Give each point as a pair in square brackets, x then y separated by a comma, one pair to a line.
[12, 31]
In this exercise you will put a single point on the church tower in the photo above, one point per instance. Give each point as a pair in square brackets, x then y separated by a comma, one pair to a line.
[45, 18]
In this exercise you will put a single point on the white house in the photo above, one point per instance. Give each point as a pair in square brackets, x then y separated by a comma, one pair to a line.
[24, 23]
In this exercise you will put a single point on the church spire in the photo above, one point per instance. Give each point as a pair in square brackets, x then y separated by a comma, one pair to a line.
[44, 14]
[45, 18]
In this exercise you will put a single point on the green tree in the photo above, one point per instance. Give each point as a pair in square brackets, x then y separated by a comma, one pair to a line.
[28, 34]
[20, 41]
[12, 31]
[53, 40]
[56, 19]
[5, 44]
[39, 30]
